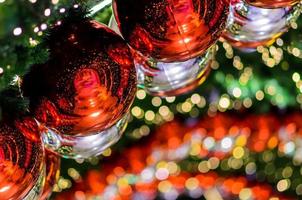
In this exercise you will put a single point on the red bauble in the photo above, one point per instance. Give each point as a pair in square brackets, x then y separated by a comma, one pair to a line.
[171, 30]
[88, 84]
[21, 163]
[272, 3]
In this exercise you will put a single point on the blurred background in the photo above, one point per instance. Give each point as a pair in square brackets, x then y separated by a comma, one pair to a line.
[237, 136]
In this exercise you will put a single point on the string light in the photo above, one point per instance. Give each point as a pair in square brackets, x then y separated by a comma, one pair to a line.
[159, 167]
[47, 12]
[141, 94]
[36, 29]
[62, 10]
[17, 31]
[54, 1]
[43, 26]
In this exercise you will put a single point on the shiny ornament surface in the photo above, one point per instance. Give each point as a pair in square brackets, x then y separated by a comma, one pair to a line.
[171, 30]
[272, 3]
[172, 79]
[249, 26]
[21, 164]
[70, 146]
[52, 163]
[88, 84]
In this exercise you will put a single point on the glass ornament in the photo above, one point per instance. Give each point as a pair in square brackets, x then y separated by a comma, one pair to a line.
[170, 40]
[272, 3]
[81, 98]
[170, 79]
[171, 31]
[250, 26]
[22, 167]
